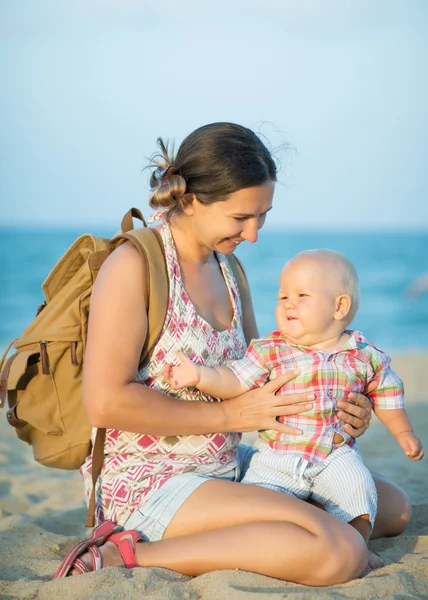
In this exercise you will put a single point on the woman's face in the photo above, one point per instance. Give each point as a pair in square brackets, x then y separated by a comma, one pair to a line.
[223, 225]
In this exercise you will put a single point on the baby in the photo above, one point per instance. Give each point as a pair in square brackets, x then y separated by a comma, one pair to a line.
[317, 300]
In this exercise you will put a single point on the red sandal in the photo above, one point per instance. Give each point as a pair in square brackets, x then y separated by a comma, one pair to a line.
[124, 540]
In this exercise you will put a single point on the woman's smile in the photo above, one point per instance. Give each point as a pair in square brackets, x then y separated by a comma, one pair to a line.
[231, 241]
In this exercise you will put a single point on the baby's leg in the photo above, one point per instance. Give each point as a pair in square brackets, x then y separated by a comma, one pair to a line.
[346, 489]
[271, 469]
[363, 526]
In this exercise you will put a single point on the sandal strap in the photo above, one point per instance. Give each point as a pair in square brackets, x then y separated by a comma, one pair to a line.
[103, 530]
[80, 566]
[96, 558]
[98, 537]
[126, 542]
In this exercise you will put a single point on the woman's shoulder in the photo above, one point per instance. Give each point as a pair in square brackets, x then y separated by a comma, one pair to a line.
[123, 267]
[126, 256]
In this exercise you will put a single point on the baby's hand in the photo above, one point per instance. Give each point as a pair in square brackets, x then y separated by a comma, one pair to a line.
[185, 374]
[411, 445]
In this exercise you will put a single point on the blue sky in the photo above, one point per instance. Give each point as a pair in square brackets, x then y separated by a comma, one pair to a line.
[88, 86]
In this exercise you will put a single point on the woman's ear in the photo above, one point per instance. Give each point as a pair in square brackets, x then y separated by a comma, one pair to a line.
[188, 204]
[343, 306]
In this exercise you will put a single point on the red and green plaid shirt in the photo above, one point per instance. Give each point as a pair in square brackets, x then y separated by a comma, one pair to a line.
[331, 377]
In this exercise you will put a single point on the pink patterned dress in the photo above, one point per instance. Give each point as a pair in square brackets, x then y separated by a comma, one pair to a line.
[136, 465]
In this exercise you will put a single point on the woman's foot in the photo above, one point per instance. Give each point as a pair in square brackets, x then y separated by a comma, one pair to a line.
[110, 557]
[103, 548]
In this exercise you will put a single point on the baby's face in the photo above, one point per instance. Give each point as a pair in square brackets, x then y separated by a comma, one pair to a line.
[306, 302]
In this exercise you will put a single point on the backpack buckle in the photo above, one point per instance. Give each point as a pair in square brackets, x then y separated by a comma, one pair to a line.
[12, 418]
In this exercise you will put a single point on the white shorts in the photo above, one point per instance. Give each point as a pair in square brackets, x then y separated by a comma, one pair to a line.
[342, 484]
[155, 515]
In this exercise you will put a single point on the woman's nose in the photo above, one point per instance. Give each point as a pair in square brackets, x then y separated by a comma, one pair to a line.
[251, 231]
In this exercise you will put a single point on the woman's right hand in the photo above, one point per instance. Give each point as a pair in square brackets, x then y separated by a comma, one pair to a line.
[259, 408]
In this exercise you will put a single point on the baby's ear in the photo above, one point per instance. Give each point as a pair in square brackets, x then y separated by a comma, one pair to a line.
[342, 308]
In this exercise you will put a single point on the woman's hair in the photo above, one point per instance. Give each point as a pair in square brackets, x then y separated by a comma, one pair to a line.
[211, 163]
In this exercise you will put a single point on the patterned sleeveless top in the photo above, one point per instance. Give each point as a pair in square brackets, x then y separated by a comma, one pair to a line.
[136, 465]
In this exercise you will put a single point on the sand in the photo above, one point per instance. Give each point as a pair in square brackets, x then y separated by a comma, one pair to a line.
[42, 513]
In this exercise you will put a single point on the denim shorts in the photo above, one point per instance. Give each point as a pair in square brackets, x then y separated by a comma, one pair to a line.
[155, 515]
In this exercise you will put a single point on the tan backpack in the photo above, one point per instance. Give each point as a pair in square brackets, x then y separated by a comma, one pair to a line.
[42, 379]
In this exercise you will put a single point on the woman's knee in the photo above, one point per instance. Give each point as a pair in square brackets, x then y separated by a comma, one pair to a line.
[405, 517]
[394, 509]
[394, 522]
[345, 557]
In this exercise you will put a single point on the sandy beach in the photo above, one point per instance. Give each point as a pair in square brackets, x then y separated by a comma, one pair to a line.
[42, 515]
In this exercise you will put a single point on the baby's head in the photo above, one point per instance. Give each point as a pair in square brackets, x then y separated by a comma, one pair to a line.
[318, 296]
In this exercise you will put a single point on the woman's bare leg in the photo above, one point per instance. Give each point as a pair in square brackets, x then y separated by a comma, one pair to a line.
[394, 509]
[256, 529]
[225, 525]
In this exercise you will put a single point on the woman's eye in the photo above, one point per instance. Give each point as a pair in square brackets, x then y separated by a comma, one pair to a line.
[245, 218]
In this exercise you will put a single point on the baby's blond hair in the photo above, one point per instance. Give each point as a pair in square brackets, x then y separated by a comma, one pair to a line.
[339, 269]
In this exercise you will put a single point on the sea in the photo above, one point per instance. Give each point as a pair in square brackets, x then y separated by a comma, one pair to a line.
[387, 263]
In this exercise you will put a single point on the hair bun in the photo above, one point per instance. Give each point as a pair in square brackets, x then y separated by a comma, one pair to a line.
[168, 187]
[162, 174]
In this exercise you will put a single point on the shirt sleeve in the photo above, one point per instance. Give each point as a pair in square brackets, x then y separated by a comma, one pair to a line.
[389, 393]
[251, 369]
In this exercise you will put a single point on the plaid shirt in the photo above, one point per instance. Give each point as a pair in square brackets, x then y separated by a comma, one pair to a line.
[348, 368]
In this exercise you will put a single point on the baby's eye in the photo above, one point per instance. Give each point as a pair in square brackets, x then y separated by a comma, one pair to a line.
[302, 295]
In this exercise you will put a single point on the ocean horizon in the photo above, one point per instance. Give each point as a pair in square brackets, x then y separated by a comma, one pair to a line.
[387, 263]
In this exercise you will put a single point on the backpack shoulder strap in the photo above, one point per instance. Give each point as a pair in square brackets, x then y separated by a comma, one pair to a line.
[149, 244]
[241, 279]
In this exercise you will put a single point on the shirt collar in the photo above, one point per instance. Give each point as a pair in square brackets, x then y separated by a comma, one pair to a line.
[356, 341]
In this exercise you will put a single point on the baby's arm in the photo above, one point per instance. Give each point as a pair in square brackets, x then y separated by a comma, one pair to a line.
[217, 381]
[398, 423]
[388, 401]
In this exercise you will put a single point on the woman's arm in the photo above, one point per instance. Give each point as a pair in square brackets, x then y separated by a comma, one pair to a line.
[112, 398]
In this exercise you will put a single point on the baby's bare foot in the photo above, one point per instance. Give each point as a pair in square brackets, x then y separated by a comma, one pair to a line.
[375, 562]
[110, 554]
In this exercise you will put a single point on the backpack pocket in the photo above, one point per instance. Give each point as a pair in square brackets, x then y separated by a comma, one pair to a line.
[31, 387]
[44, 388]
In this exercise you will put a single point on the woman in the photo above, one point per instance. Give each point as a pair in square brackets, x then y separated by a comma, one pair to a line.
[172, 465]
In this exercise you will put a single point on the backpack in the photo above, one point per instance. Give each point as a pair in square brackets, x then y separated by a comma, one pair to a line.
[42, 379]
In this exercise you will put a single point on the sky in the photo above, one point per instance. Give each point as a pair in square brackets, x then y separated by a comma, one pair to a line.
[339, 88]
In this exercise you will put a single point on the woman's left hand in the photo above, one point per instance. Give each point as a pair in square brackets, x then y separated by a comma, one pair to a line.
[356, 412]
